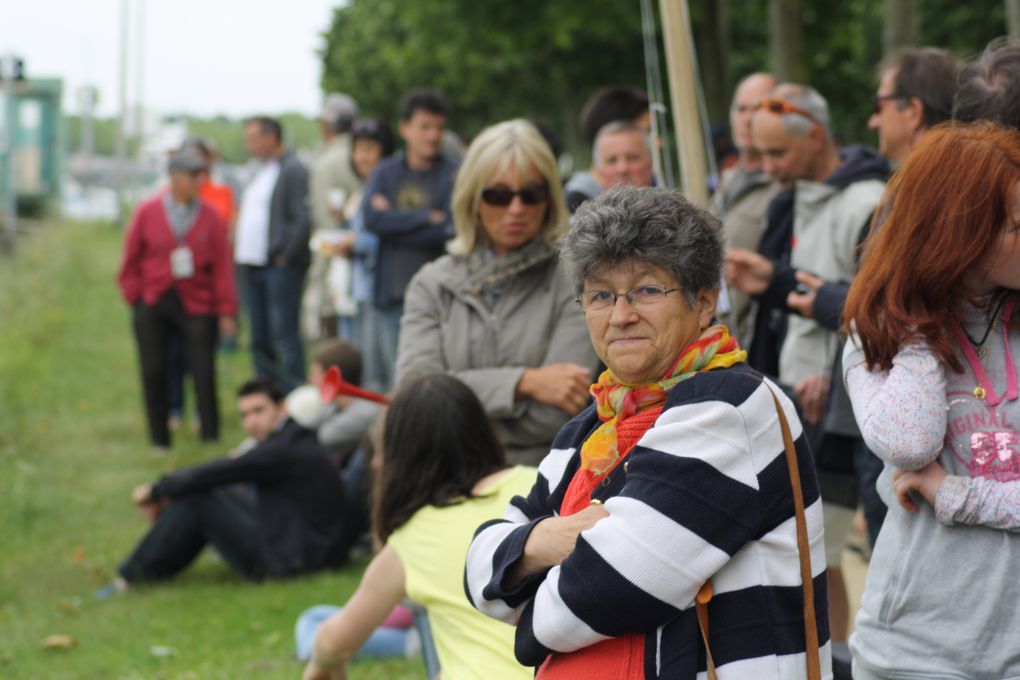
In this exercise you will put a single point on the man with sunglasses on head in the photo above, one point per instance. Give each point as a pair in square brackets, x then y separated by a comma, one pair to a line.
[813, 229]
[407, 205]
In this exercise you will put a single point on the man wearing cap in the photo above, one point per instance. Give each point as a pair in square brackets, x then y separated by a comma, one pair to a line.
[332, 182]
[177, 272]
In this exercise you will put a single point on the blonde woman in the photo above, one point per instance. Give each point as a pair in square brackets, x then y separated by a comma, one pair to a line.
[496, 312]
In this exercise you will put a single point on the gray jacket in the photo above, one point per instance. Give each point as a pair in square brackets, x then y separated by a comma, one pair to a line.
[289, 222]
[446, 327]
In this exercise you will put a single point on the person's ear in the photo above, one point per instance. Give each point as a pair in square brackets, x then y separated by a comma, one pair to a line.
[707, 300]
[914, 110]
[818, 140]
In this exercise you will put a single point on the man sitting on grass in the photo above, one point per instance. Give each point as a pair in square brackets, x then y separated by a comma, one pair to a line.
[287, 520]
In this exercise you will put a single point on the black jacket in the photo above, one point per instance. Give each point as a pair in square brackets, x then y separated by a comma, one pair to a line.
[300, 495]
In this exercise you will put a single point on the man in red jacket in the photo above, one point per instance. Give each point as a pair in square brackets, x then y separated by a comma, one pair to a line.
[177, 272]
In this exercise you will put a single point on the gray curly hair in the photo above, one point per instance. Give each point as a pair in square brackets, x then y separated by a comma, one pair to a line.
[656, 226]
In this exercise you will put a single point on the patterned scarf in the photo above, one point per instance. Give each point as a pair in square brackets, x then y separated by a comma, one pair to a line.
[617, 401]
[490, 274]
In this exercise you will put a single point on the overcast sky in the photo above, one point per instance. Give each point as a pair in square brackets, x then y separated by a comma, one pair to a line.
[203, 57]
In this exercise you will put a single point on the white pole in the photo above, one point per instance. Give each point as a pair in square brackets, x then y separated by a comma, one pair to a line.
[122, 112]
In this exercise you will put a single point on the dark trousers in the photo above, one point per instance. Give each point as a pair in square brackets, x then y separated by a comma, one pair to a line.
[198, 335]
[176, 371]
[272, 296]
[223, 516]
[869, 467]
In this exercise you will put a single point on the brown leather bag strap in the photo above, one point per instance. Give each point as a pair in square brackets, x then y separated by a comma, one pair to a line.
[814, 669]
[701, 601]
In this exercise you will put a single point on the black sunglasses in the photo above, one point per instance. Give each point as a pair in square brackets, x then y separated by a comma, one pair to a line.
[502, 196]
[876, 101]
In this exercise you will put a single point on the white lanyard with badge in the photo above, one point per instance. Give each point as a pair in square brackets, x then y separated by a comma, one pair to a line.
[182, 260]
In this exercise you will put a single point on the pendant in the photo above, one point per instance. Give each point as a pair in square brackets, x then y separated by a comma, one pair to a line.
[979, 392]
[982, 352]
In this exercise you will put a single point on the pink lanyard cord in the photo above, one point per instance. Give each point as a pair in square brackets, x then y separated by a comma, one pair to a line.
[979, 370]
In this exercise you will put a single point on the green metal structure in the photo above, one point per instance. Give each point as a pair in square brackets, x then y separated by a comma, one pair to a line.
[34, 109]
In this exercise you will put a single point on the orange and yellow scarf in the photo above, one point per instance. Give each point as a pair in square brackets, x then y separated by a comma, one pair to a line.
[616, 401]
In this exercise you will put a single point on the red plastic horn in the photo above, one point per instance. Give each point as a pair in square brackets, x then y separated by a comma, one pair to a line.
[334, 385]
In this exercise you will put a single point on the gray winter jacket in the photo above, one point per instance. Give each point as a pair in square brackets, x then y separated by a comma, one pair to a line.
[447, 327]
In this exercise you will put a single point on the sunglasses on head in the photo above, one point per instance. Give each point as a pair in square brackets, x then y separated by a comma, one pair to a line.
[502, 196]
[365, 127]
[781, 106]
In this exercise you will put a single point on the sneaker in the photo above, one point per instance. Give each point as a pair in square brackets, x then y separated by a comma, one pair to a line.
[117, 586]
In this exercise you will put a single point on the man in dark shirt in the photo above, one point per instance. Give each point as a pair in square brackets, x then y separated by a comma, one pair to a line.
[407, 205]
[273, 511]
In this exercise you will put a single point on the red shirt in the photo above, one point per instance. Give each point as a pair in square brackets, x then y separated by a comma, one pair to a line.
[145, 268]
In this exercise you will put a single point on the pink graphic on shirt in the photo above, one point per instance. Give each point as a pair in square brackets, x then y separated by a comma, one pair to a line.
[993, 457]
[992, 443]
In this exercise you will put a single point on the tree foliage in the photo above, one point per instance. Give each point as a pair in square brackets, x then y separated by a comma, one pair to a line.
[543, 59]
[493, 61]
[227, 134]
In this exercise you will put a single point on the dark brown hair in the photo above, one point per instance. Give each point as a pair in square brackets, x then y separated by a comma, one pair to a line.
[947, 206]
[344, 356]
[928, 74]
[437, 444]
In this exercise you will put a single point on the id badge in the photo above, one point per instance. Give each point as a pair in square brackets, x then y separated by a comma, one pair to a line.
[182, 265]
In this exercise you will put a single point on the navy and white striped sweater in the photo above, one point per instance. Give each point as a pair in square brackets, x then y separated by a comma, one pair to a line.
[705, 495]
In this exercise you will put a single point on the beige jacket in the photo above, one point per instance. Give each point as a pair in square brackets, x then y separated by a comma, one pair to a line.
[446, 327]
[740, 202]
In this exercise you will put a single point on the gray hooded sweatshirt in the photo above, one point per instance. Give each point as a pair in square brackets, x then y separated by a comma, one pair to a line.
[942, 598]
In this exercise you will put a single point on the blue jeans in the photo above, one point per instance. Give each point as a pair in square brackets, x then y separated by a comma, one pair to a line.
[384, 642]
[380, 335]
[273, 298]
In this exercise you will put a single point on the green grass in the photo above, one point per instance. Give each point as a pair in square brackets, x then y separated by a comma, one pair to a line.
[72, 447]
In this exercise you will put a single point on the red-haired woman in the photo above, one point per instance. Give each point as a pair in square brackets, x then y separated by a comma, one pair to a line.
[932, 374]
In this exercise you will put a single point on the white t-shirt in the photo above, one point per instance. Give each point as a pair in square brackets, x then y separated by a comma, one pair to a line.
[252, 236]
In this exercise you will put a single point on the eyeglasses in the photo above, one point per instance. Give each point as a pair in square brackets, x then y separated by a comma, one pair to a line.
[501, 196]
[641, 297]
[781, 106]
[876, 101]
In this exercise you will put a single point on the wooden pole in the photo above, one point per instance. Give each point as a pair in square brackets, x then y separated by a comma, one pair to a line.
[1013, 18]
[684, 95]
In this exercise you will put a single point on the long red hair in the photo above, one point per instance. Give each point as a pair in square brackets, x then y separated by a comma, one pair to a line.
[943, 213]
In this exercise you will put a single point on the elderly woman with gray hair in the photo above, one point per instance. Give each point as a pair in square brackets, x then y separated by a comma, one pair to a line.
[685, 495]
[496, 312]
